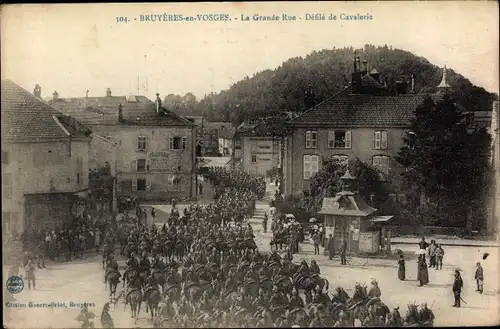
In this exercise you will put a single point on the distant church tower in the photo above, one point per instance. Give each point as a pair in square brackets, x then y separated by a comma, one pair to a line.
[444, 86]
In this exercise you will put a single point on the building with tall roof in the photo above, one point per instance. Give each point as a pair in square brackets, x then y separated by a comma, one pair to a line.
[44, 162]
[366, 120]
[155, 157]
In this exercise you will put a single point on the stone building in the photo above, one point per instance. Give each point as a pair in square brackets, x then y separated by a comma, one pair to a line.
[44, 162]
[155, 157]
[366, 120]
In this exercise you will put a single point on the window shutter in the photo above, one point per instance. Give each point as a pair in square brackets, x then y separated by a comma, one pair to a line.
[377, 140]
[138, 143]
[134, 184]
[183, 143]
[133, 165]
[331, 138]
[145, 143]
[307, 166]
[308, 139]
[384, 140]
[148, 164]
[171, 142]
[148, 183]
[314, 164]
[348, 139]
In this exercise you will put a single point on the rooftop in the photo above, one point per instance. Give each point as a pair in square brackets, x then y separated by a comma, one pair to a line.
[224, 129]
[136, 111]
[363, 110]
[29, 118]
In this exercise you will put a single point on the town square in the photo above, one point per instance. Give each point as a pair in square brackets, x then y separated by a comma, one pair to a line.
[271, 174]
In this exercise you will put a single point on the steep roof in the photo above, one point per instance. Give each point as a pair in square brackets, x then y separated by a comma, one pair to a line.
[136, 110]
[267, 128]
[346, 109]
[346, 204]
[29, 118]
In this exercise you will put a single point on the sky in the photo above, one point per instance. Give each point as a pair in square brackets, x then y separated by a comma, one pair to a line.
[72, 48]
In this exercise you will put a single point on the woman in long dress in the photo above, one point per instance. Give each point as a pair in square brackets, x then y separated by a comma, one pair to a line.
[423, 274]
[401, 268]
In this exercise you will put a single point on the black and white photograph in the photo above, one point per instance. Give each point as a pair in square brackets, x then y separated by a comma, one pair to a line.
[250, 164]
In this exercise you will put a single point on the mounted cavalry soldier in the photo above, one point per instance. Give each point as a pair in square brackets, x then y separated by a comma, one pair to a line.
[132, 261]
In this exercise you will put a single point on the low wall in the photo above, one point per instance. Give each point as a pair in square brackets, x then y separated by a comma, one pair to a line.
[405, 230]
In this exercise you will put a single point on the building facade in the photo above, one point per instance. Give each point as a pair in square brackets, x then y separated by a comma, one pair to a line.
[44, 162]
[364, 121]
[155, 158]
[255, 150]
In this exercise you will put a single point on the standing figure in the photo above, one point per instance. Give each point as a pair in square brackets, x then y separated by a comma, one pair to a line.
[153, 214]
[316, 240]
[343, 250]
[439, 257]
[401, 268]
[264, 223]
[432, 253]
[29, 269]
[331, 247]
[423, 273]
[457, 288]
[106, 320]
[479, 277]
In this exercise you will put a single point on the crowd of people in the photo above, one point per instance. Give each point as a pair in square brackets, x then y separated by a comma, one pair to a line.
[66, 241]
[209, 272]
[224, 178]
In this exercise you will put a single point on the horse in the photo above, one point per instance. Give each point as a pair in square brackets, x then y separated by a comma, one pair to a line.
[159, 276]
[153, 299]
[128, 275]
[112, 277]
[106, 252]
[173, 291]
[135, 299]
[194, 290]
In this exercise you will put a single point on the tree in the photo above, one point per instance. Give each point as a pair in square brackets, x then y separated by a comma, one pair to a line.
[447, 160]
[327, 182]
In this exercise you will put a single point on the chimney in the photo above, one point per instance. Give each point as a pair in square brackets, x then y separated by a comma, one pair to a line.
[55, 96]
[37, 91]
[120, 113]
[356, 76]
[365, 67]
[108, 92]
[158, 103]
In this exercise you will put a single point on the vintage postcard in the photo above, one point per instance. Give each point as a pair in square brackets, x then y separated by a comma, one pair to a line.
[250, 164]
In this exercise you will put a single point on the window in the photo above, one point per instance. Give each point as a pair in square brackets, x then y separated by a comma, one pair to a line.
[177, 143]
[343, 159]
[381, 162]
[177, 183]
[141, 185]
[380, 139]
[311, 139]
[142, 143]
[340, 139]
[311, 166]
[254, 159]
[5, 157]
[78, 178]
[6, 185]
[402, 198]
[141, 165]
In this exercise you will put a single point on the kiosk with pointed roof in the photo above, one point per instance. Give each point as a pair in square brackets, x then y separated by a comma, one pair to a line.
[348, 215]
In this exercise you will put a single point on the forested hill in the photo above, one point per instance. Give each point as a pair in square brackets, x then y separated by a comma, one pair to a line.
[302, 82]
